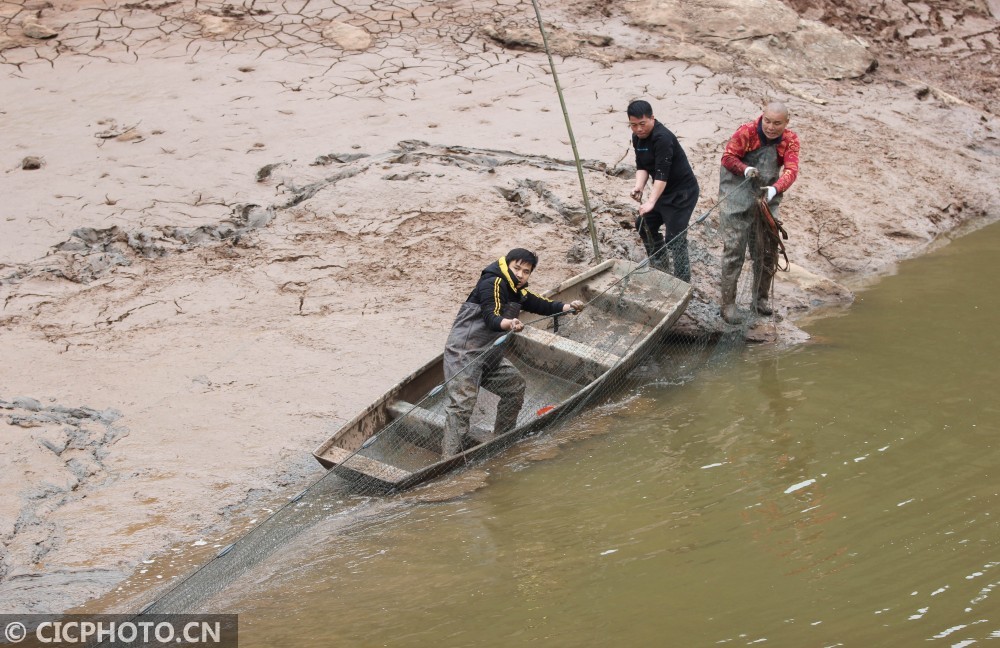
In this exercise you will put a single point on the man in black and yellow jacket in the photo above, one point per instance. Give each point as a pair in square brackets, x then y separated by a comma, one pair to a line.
[471, 361]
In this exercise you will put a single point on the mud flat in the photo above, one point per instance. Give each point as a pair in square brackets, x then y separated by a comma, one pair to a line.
[226, 227]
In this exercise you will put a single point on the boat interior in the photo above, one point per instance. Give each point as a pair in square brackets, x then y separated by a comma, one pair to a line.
[557, 356]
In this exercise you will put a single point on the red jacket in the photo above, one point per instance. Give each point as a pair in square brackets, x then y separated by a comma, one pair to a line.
[747, 138]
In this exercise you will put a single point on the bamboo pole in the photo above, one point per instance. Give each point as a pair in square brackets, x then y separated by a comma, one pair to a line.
[572, 140]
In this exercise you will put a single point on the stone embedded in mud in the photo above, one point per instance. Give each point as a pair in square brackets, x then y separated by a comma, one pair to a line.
[339, 158]
[768, 34]
[724, 20]
[258, 217]
[146, 243]
[38, 31]
[216, 25]
[814, 51]
[32, 162]
[348, 36]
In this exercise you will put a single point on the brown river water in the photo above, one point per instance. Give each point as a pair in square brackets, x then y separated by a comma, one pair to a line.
[840, 493]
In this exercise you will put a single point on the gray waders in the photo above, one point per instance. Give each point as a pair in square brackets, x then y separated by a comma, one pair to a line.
[471, 343]
[742, 229]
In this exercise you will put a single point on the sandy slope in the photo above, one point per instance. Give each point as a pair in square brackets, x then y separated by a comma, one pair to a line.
[249, 222]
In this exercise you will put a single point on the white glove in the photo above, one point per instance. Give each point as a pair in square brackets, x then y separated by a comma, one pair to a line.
[771, 193]
[750, 172]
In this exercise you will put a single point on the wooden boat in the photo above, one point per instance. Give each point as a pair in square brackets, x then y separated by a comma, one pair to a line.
[395, 442]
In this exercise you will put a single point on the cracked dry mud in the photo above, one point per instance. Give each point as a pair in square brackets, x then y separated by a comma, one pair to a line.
[247, 220]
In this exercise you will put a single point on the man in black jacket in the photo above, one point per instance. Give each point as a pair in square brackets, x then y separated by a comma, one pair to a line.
[673, 196]
[470, 359]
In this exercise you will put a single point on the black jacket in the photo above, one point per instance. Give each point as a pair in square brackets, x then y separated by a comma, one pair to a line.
[662, 157]
[497, 287]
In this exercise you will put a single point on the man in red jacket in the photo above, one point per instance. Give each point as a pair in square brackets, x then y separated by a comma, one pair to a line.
[768, 152]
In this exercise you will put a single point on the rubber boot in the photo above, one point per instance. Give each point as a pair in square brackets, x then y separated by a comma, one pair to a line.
[727, 306]
[659, 260]
[762, 281]
[653, 242]
[678, 248]
[451, 443]
[507, 410]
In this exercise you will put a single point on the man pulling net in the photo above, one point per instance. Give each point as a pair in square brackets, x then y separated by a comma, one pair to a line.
[472, 361]
[660, 159]
[767, 152]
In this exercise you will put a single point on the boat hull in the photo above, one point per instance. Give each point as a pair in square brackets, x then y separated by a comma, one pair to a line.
[394, 443]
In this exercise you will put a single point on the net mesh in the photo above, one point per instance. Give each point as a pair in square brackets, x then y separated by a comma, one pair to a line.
[640, 325]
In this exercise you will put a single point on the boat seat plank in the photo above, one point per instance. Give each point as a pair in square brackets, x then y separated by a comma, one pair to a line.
[646, 299]
[580, 278]
[367, 465]
[401, 408]
[547, 350]
[629, 308]
[433, 420]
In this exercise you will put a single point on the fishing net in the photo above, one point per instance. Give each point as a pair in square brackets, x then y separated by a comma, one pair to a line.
[543, 375]
[640, 326]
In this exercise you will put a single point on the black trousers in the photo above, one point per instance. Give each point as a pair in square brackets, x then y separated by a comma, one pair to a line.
[674, 210]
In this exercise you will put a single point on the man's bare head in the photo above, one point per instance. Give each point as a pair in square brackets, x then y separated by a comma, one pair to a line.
[775, 119]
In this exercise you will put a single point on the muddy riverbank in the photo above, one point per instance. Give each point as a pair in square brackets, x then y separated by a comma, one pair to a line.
[239, 224]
